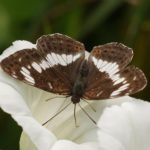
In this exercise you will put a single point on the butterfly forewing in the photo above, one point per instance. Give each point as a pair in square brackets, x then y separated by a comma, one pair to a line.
[51, 67]
[63, 54]
[108, 75]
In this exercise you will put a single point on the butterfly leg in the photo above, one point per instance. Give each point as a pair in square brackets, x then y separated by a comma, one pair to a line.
[56, 114]
[87, 114]
[55, 97]
[75, 119]
[89, 105]
[63, 103]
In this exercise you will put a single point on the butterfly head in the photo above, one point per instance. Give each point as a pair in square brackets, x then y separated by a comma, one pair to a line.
[75, 99]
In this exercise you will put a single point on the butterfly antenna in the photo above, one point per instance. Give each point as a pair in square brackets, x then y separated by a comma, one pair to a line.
[62, 104]
[56, 114]
[89, 105]
[75, 119]
[87, 114]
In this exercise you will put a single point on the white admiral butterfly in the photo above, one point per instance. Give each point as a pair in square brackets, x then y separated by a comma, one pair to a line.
[58, 65]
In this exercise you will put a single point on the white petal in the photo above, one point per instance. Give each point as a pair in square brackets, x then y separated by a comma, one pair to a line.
[14, 104]
[68, 145]
[126, 127]
[108, 142]
[17, 46]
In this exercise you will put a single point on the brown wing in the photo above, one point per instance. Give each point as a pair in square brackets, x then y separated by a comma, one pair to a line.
[51, 67]
[108, 75]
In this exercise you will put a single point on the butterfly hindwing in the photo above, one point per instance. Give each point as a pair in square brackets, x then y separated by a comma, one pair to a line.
[132, 80]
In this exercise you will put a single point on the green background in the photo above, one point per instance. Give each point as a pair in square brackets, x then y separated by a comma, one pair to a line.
[92, 22]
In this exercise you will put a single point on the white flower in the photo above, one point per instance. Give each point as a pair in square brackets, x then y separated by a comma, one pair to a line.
[123, 123]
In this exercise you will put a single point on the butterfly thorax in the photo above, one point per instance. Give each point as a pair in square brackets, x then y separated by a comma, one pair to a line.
[80, 83]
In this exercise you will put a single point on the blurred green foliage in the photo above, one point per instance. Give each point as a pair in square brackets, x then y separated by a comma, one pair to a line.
[93, 22]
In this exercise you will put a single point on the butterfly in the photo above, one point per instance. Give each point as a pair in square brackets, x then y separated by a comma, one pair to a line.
[60, 65]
